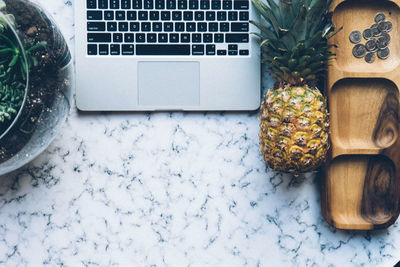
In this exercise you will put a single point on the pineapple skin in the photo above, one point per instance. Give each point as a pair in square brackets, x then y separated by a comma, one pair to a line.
[294, 129]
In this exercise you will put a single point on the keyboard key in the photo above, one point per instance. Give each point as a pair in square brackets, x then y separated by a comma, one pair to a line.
[185, 38]
[148, 4]
[143, 15]
[244, 52]
[120, 15]
[145, 26]
[114, 4]
[221, 52]
[174, 38]
[239, 27]
[216, 4]
[154, 15]
[123, 26]
[137, 4]
[131, 15]
[241, 4]
[129, 38]
[176, 15]
[162, 38]
[94, 15]
[111, 26]
[213, 27]
[232, 15]
[190, 27]
[188, 15]
[162, 50]
[160, 4]
[99, 37]
[201, 27]
[232, 52]
[91, 4]
[196, 38]
[140, 38]
[179, 27]
[197, 50]
[244, 15]
[134, 26]
[171, 4]
[224, 27]
[218, 38]
[182, 4]
[103, 4]
[92, 49]
[210, 15]
[115, 49]
[232, 47]
[157, 26]
[210, 50]
[199, 15]
[109, 15]
[207, 38]
[236, 38]
[221, 15]
[226, 4]
[96, 26]
[193, 4]
[151, 38]
[117, 37]
[103, 49]
[165, 15]
[126, 4]
[204, 4]
[128, 49]
[168, 26]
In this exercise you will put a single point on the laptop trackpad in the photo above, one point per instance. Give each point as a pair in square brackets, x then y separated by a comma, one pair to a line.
[169, 83]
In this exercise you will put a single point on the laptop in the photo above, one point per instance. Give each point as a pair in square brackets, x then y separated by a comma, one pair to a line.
[148, 55]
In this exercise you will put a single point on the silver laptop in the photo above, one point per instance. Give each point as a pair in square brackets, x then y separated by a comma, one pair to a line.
[166, 55]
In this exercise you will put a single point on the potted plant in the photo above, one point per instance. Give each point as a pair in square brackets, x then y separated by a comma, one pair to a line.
[35, 82]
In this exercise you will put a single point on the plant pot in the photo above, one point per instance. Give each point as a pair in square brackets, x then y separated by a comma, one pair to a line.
[36, 73]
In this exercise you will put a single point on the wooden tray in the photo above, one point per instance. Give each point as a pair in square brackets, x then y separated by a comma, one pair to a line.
[361, 187]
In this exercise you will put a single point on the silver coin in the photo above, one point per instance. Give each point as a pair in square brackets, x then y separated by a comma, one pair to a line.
[371, 45]
[380, 17]
[355, 37]
[384, 53]
[359, 51]
[382, 43]
[389, 26]
[386, 37]
[370, 57]
[367, 34]
[382, 26]
[375, 30]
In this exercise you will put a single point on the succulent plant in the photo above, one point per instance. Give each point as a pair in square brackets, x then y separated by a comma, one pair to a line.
[13, 70]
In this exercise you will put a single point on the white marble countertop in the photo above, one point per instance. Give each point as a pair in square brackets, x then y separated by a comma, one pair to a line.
[169, 189]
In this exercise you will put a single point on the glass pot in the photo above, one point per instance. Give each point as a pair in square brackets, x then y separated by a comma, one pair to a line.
[36, 73]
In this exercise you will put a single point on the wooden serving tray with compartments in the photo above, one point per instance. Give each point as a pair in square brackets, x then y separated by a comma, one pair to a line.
[361, 187]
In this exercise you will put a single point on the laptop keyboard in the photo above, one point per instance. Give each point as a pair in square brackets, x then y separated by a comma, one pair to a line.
[168, 27]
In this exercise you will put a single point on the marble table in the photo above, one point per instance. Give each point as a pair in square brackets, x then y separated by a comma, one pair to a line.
[169, 189]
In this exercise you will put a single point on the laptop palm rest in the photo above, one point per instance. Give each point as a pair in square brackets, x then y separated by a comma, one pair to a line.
[169, 84]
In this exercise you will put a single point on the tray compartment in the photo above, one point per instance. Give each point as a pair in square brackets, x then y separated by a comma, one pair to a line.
[360, 192]
[359, 15]
[364, 114]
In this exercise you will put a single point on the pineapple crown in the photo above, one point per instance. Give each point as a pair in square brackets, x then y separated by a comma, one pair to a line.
[293, 39]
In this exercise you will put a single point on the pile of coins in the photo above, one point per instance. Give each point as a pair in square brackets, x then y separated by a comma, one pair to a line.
[377, 38]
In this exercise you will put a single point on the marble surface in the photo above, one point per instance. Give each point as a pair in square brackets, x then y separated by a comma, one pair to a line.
[169, 189]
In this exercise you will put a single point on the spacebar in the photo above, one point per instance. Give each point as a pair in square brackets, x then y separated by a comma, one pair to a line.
[162, 50]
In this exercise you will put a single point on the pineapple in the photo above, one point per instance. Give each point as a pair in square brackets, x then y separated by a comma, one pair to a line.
[294, 121]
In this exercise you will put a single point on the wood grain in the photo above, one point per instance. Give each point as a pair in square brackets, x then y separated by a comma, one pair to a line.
[361, 187]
